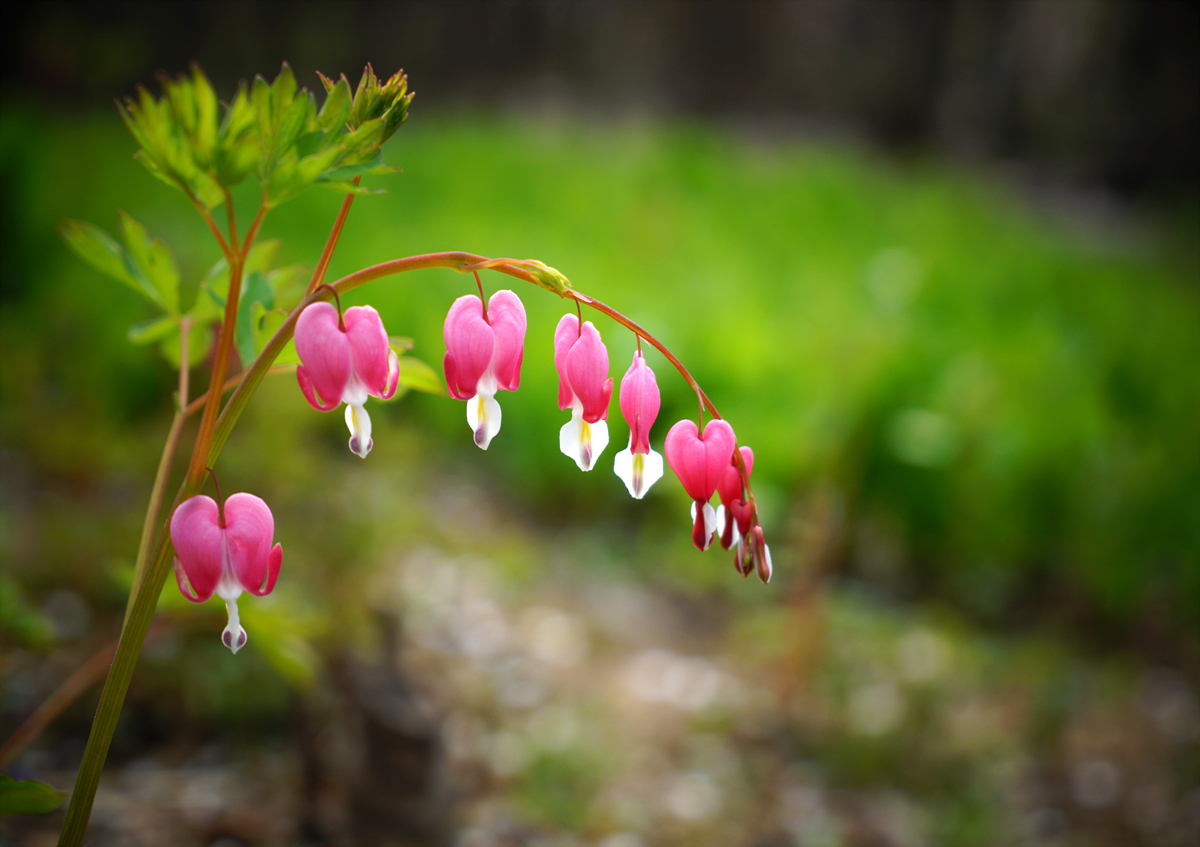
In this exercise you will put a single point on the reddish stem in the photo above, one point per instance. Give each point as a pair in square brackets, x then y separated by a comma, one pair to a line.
[220, 501]
[334, 234]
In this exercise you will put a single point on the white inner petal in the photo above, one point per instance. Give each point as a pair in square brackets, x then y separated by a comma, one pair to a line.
[355, 393]
[483, 416]
[233, 636]
[582, 441]
[639, 471]
[359, 424]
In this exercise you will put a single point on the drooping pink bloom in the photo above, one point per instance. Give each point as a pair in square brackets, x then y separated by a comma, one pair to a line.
[225, 550]
[345, 360]
[483, 355]
[638, 465]
[700, 463]
[584, 387]
[734, 513]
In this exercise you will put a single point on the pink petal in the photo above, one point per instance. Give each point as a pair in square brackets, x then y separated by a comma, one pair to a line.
[393, 375]
[699, 463]
[469, 343]
[369, 349]
[507, 316]
[565, 336]
[274, 560]
[249, 528]
[324, 351]
[197, 541]
[587, 371]
[730, 486]
[640, 402]
[310, 392]
[185, 587]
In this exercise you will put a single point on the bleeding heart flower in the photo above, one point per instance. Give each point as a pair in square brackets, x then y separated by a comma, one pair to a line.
[345, 359]
[225, 549]
[638, 465]
[700, 462]
[734, 513]
[584, 387]
[483, 355]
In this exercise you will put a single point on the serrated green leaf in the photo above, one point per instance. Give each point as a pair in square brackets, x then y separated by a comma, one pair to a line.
[28, 797]
[153, 263]
[418, 376]
[335, 111]
[155, 329]
[238, 143]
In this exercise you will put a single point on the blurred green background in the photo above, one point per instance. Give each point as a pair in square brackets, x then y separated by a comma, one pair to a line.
[973, 395]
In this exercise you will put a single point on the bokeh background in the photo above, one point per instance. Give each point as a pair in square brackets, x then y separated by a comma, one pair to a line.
[937, 262]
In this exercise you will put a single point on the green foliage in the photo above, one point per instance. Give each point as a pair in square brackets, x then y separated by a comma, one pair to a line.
[273, 130]
[28, 797]
[144, 265]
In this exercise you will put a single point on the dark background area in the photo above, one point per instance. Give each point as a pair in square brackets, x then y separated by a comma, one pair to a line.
[1100, 92]
[936, 261]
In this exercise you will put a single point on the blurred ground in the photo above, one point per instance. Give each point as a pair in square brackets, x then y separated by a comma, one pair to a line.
[973, 412]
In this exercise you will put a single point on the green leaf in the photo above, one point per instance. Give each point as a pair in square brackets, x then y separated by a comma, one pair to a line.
[418, 376]
[256, 297]
[238, 143]
[153, 263]
[98, 249]
[28, 797]
[335, 111]
[155, 329]
[268, 325]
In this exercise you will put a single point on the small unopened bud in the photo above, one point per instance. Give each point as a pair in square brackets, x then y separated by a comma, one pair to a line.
[762, 554]
[743, 559]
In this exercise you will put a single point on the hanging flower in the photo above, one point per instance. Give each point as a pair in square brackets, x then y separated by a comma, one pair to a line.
[584, 387]
[225, 548]
[700, 462]
[345, 359]
[734, 513]
[483, 355]
[638, 465]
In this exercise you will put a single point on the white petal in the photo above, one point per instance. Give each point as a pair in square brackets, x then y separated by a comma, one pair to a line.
[724, 515]
[638, 470]
[233, 636]
[359, 424]
[483, 415]
[710, 521]
[582, 441]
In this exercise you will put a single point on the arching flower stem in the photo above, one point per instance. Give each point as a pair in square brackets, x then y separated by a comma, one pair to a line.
[482, 299]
